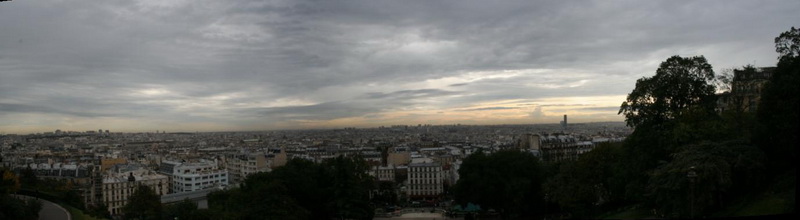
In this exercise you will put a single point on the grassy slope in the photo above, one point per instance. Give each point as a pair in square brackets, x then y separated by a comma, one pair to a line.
[767, 203]
[629, 213]
[77, 214]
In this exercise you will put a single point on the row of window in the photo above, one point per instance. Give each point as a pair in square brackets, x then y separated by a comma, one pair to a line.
[425, 181]
[426, 192]
[425, 187]
[426, 169]
[204, 177]
[425, 175]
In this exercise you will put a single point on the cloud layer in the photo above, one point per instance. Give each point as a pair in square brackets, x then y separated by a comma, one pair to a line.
[245, 65]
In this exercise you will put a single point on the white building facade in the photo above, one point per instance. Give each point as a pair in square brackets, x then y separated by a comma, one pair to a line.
[193, 176]
[425, 180]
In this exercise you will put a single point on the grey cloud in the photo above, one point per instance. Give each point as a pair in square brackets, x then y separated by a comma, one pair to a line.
[88, 56]
[561, 105]
[602, 109]
[408, 94]
[322, 111]
[369, 106]
[488, 109]
[22, 108]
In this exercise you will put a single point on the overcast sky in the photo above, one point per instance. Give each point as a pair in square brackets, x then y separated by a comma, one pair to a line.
[210, 65]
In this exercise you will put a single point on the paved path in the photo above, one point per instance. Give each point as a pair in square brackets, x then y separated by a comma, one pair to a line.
[51, 211]
[422, 215]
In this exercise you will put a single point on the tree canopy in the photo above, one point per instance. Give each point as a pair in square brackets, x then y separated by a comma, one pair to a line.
[717, 168]
[15, 208]
[679, 83]
[778, 111]
[678, 132]
[143, 204]
[788, 44]
[336, 188]
[185, 209]
[584, 185]
[508, 181]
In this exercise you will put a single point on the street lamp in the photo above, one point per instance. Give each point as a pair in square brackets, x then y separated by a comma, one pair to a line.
[692, 175]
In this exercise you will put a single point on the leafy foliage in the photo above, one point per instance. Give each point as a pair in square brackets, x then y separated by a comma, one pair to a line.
[778, 111]
[385, 194]
[15, 208]
[336, 188]
[143, 204]
[676, 129]
[28, 178]
[99, 210]
[679, 83]
[9, 182]
[586, 184]
[717, 166]
[185, 209]
[671, 109]
[507, 181]
[788, 44]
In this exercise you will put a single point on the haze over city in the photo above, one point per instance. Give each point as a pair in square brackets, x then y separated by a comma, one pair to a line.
[205, 65]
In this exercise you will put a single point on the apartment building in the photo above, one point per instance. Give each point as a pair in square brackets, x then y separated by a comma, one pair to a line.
[239, 166]
[383, 173]
[425, 180]
[194, 176]
[120, 184]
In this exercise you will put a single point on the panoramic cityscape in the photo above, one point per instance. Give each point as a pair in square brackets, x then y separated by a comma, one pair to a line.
[177, 109]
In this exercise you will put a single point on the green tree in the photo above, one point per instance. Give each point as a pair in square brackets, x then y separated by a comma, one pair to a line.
[14, 208]
[385, 194]
[673, 108]
[99, 210]
[307, 183]
[351, 185]
[183, 210]
[679, 83]
[508, 181]
[9, 182]
[336, 188]
[581, 187]
[28, 178]
[719, 169]
[778, 111]
[788, 44]
[143, 204]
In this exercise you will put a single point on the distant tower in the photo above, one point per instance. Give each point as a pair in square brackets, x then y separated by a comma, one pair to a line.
[564, 123]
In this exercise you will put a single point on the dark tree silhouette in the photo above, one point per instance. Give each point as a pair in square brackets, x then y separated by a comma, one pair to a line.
[780, 104]
[507, 181]
[337, 188]
[678, 84]
[143, 204]
[788, 44]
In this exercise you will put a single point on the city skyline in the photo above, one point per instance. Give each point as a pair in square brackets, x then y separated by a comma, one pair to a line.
[253, 65]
